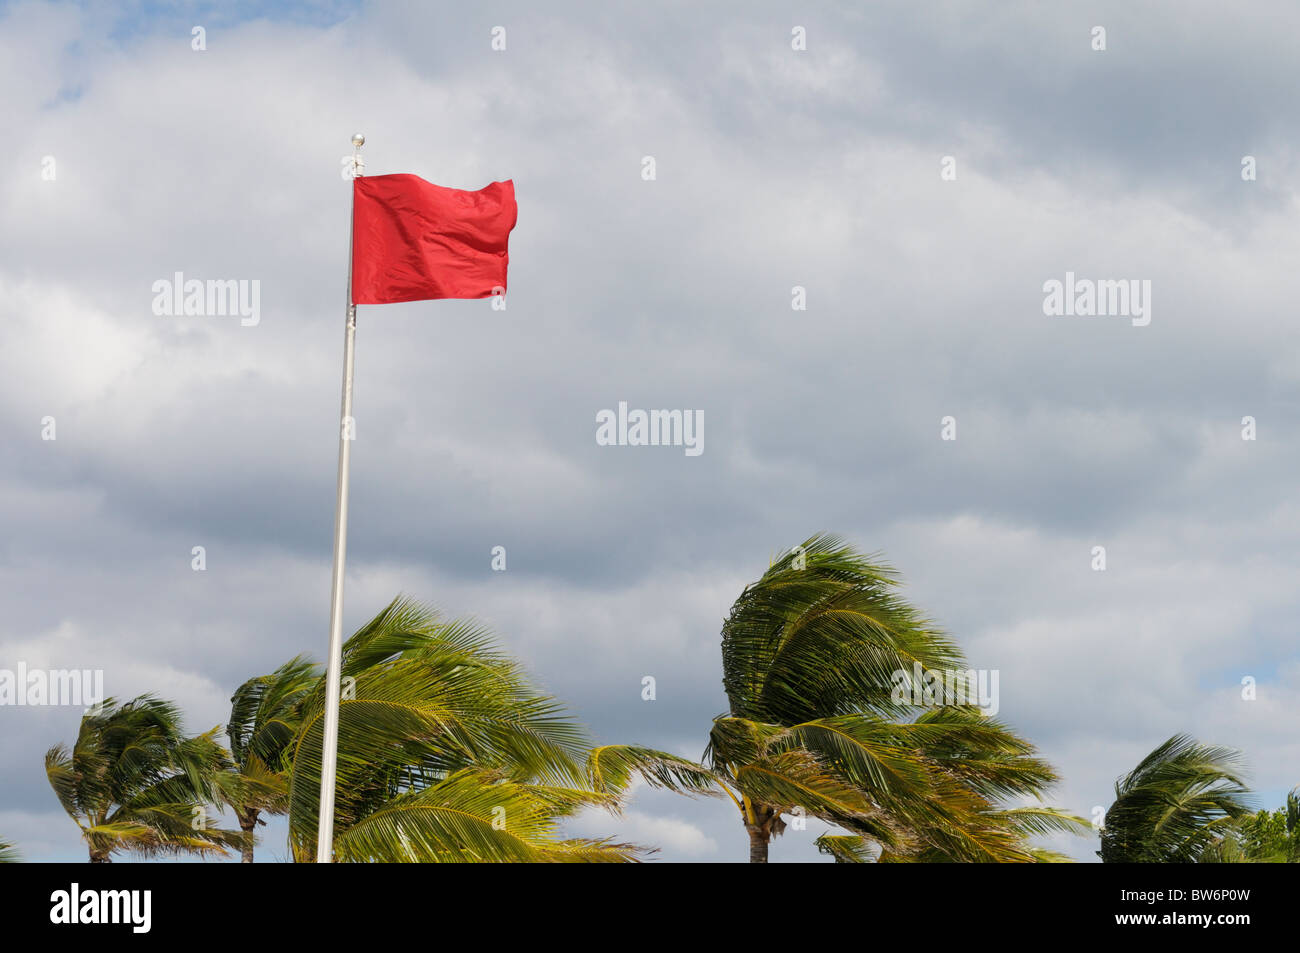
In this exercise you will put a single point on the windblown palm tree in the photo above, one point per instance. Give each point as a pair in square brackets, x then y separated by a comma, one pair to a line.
[265, 713]
[8, 853]
[445, 754]
[1176, 806]
[820, 659]
[134, 782]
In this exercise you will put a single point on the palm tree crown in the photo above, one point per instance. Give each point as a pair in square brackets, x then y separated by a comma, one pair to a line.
[134, 781]
[445, 754]
[265, 713]
[813, 657]
[1175, 805]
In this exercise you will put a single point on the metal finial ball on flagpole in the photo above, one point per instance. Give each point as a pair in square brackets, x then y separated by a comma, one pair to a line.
[358, 163]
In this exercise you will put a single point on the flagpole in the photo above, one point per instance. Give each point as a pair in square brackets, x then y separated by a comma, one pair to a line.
[334, 675]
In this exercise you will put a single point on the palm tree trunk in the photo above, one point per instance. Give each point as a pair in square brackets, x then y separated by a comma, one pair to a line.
[97, 857]
[247, 823]
[758, 841]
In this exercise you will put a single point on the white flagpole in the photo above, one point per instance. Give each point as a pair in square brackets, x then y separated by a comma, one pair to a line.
[334, 675]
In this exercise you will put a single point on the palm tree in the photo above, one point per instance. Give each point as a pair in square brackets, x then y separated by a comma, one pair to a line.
[265, 713]
[820, 658]
[1175, 806]
[134, 782]
[445, 754]
[8, 853]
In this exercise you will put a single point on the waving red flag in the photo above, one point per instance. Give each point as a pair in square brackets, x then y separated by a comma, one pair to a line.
[413, 240]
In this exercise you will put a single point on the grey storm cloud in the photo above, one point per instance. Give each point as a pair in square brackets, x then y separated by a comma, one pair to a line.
[775, 169]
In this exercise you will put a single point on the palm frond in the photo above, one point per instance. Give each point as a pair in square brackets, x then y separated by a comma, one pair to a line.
[472, 816]
[610, 769]
[846, 848]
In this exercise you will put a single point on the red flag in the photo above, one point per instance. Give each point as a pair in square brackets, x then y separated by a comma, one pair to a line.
[413, 240]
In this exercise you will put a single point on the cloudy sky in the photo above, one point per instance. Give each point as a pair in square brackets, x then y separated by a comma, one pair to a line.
[129, 156]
